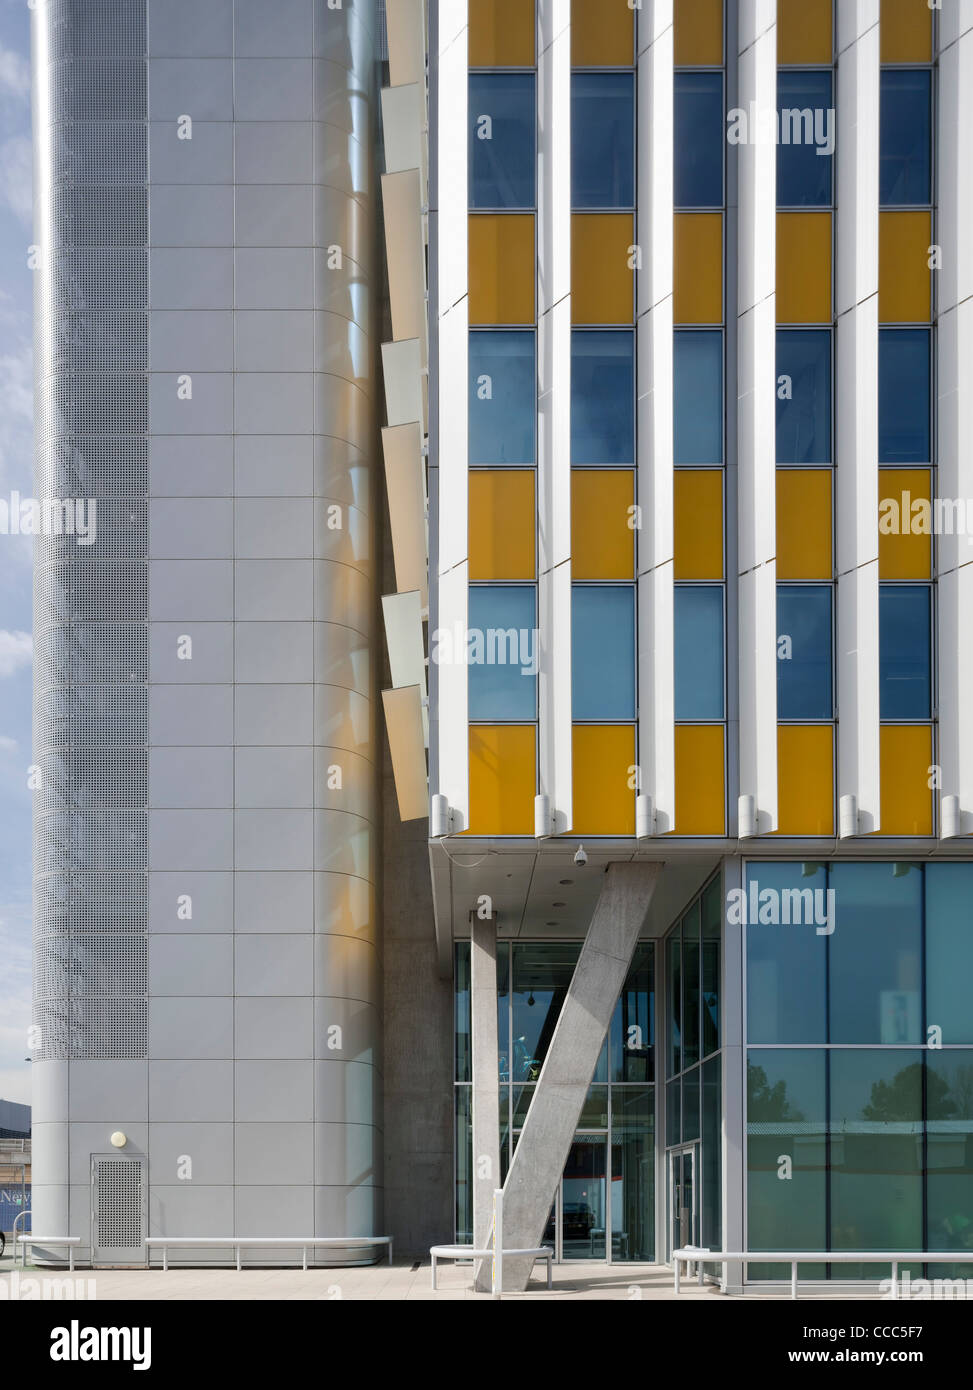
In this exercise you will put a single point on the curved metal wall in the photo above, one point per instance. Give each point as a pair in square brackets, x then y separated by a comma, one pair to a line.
[209, 972]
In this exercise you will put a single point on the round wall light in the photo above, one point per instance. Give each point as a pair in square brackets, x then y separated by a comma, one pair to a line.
[118, 1140]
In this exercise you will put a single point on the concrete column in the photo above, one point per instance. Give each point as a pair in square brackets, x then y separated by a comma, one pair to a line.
[552, 1119]
[486, 1084]
[733, 1005]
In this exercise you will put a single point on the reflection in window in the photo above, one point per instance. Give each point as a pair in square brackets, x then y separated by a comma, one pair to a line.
[698, 126]
[874, 954]
[697, 392]
[502, 130]
[904, 651]
[698, 624]
[503, 398]
[803, 395]
[602, 397]
[804, 651]
[807, 131]
[602, 140]
[602, 652]
[949, 1186]
[903, 395]
[787, 965]
[633, 1174]
[949, 952]
[905, 137]
[502, 676]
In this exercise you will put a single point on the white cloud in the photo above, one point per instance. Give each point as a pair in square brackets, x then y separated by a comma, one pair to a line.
[16, 650]
[17, 177]
[7, 744]
[14, 74]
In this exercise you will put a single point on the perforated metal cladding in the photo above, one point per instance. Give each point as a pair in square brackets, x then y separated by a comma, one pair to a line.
[91, 601]
[118, 1203]
[92, 654]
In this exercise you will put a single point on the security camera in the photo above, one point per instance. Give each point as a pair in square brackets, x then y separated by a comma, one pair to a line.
[580, 857]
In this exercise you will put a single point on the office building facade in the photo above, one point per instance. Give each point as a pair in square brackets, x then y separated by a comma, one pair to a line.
[671, 413]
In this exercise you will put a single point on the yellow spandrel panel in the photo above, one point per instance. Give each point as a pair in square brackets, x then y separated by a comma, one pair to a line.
[602, 33]
[905, 31]
[697, 267]
[804, 267]
[604, 794]
[804, 523]
[697, 506]
[904, 277]
[697, 33]
[602, 537]
[502, 524]
[602, 280]
[804, 31]
[501, 268]
[501, 34]
[503, 779]
[805, 779]
[906, 798]
[700, 784]
[906, 523]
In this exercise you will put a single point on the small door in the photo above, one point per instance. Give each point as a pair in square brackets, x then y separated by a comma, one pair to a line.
[682, 1198]
[119, 1203]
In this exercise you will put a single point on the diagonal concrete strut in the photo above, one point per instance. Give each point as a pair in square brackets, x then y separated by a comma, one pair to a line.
[579, 1034]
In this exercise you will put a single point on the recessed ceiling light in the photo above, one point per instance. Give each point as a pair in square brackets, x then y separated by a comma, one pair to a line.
[558, 904]
[565, 880]
[550, 924]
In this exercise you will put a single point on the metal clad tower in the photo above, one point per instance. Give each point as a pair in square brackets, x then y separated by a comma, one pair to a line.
[207, 950]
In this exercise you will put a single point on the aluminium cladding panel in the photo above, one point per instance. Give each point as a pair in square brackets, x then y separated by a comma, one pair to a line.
[91, 600]
[265, 1003]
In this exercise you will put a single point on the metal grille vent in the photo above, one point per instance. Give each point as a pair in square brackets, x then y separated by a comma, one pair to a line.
[76, 842]
[99, 89]
[91, 902]
[92, 654]
[96, 28]
[118, 1184]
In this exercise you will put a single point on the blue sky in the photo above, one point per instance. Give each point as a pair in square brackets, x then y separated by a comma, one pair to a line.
[16, 469]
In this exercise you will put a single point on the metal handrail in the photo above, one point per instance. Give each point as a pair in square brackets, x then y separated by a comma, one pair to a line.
[467, 1252]
[302, 1243]
[69, 1241]
[700, 1255]
[13, 1234]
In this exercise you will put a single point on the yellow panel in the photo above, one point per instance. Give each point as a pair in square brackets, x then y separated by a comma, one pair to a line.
[503, 780]
[697, 508]
[700, 794]
[602, 541]
[602, 284]
[698, 33]
[804, 523]
[906, 31]
[804, 267]
[698, 267]
[602, 33]
[804, 31]
[501, 34]
[905, 523]
[805, 779]
[604, 797]
[906, 801]
[501, 266]
[502, 524]
[903, 267]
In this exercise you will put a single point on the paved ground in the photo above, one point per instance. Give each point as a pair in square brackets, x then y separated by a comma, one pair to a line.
[402, 1281]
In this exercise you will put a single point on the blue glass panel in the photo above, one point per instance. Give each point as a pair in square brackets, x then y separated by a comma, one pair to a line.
[787, 963]
[699, 140]
[503, 653]
[804, 661]
[807, 131]
[904, 140]
[804, 420]
[503, 397]
[502, 129]
[602, 397]
[602, 140]
[698, 620]
[903, 395]
[949, 953]
[874, 967]
[603, 652]
[697, 371]
[903, 646]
